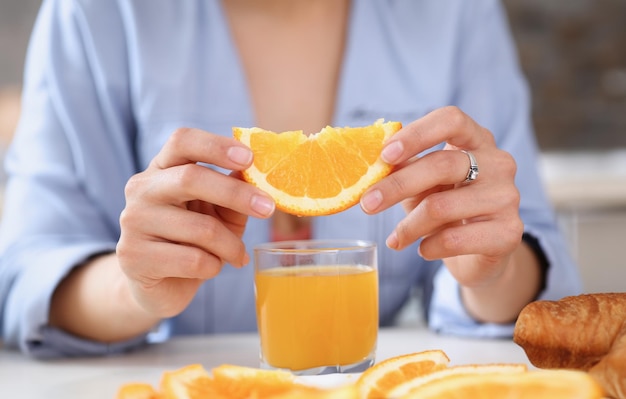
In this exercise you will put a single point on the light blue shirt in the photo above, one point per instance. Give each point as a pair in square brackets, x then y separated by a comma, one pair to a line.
[108, 81]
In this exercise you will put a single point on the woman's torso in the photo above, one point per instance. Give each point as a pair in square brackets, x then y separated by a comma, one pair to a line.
[189, 69]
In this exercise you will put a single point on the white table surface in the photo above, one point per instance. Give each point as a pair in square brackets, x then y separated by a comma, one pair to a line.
[24, 378]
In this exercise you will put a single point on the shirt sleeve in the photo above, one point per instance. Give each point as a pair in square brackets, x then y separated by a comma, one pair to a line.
[63, 197]
[491, 88]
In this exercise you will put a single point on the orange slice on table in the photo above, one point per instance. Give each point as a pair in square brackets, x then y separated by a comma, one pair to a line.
[548, 384]
[225, 382]
[238, 382]
[306, 392]
[411, 385]
[248, 382]
[381, 378]
[186, 382]
[231, 382]
[321, 174]
[137, 390]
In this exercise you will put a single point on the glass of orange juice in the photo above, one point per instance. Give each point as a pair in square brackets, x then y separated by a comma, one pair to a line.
[317, 305]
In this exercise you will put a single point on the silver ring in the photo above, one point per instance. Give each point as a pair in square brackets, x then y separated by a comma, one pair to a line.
[472, 173]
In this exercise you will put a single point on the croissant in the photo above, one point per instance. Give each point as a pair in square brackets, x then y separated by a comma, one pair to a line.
[610, 371]
[585, 332]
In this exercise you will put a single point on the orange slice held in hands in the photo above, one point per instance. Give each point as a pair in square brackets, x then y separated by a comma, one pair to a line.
[321, 174]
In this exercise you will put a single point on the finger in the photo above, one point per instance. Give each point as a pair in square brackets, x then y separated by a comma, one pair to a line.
[153, 261]
[448, 124]
[467, 204]
[168, 297]
[180, 184]
[438, 168]
[167, 223]
[188, 145]
[489, 238]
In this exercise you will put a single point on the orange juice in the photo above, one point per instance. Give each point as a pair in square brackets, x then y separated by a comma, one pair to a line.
[315, 316]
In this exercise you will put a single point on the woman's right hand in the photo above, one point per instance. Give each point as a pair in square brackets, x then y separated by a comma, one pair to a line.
[184, 221]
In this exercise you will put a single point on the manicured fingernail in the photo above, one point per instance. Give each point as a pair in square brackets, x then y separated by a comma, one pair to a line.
[392, 152]
[246, 259]
[371, 201]
[392, 241]
[240, 155]
[262, 205]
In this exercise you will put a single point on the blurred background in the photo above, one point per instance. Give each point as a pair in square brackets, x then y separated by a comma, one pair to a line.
[574, 55]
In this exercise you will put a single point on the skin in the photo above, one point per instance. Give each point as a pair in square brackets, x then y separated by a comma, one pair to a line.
[474, 227]
[177, 234]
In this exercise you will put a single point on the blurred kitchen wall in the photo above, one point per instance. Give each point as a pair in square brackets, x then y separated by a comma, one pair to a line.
[16, 20]
[574, 54]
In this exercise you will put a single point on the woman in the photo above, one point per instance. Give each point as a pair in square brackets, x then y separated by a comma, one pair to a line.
[124, 205]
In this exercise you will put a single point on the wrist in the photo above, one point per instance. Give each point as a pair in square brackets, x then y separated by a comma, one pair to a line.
[500, 299]
[94, 302]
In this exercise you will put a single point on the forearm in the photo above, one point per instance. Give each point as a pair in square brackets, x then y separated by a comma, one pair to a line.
[501, 300]
[94, 302]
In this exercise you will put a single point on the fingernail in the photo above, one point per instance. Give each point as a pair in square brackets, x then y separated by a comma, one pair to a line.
[262, 205]
[392, 152]
[246, 259]
[239, 155]
[392, 241]
[371, 201]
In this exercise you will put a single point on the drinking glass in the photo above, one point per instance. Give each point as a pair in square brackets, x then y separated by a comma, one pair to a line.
[317, 305]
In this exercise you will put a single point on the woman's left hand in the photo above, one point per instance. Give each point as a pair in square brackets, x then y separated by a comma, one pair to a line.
[473, 225]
